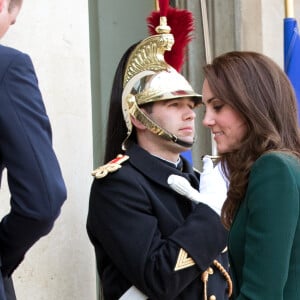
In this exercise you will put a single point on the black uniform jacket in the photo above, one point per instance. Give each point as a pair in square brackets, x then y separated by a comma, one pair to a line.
[138, 225]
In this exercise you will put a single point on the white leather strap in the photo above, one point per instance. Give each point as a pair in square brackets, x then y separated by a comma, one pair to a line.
[133, 294]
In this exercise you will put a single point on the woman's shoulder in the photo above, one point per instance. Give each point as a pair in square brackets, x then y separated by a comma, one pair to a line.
[277, 159]
[278, 156]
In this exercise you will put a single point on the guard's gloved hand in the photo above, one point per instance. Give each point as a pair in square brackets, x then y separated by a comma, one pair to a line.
[213, 186]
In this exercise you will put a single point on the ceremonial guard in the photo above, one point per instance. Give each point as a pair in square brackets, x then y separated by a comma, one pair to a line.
[151, 242]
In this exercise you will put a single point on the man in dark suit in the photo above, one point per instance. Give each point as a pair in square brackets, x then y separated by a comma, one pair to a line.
[33, 173]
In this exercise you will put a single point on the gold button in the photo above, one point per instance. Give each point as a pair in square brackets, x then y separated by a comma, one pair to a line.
[212, 297]
[210, 271]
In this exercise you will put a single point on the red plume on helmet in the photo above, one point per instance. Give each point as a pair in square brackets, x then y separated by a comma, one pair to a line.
[181, 22]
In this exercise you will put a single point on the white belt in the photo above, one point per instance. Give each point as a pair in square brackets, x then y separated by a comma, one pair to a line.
[133, 294]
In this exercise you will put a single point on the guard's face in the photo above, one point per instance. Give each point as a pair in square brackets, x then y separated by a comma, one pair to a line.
[177, 116]
[7, 17]
[226, 124]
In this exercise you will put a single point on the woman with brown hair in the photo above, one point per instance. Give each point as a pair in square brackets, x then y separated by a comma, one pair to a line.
[252, 113]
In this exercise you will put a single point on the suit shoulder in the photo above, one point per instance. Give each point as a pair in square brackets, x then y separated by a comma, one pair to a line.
[8, 52]
[12, 57]
[110, 167]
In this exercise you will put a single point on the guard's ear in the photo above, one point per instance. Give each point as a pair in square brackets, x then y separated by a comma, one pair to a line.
[137, 123]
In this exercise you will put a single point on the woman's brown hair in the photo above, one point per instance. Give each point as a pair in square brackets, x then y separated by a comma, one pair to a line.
[259, 90]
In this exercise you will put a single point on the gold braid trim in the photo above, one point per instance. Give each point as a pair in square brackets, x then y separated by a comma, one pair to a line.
[226, 275]
[204, 278]
[209, 271]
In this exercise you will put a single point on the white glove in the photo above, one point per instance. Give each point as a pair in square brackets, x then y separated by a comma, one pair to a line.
[213, 186]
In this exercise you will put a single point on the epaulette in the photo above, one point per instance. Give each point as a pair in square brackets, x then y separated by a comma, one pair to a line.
[110, 167]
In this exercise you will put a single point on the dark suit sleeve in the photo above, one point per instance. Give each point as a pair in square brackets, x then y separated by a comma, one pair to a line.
[34, 177]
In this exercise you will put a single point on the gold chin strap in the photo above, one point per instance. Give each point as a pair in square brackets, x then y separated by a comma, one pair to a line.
[136, 112]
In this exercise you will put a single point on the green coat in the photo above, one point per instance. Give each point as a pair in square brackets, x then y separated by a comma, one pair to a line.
[264, 240]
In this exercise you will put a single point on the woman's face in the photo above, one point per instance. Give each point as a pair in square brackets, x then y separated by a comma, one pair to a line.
[226, 124]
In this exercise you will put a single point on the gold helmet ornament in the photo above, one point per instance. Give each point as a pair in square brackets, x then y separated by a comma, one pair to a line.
[152, 75]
